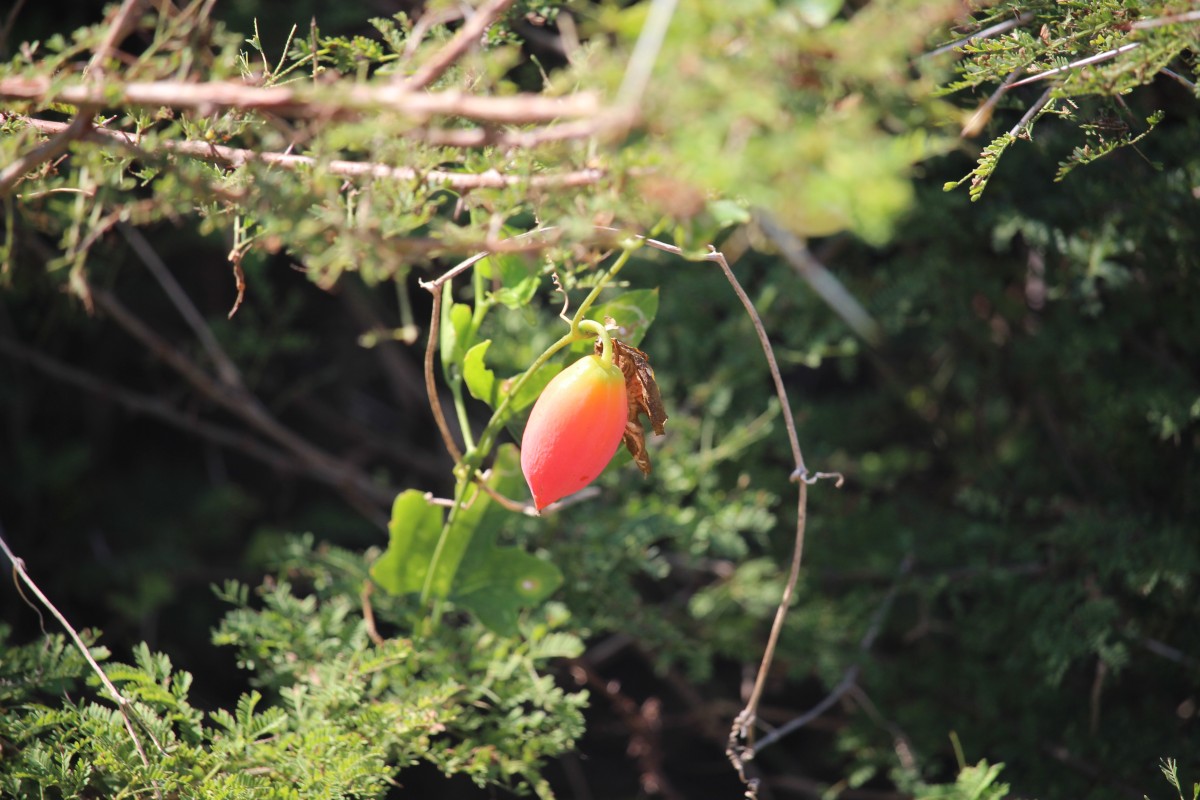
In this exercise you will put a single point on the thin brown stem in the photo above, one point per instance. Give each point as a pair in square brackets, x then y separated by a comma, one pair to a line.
[788, 420]
[466, 37]
[226, 369]
[851, 675]
[435, 402]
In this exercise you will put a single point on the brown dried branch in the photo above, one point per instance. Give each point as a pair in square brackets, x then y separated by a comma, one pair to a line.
[355, 485]
[236, 157]
[468, 35]
[227, 371]
[150, 406]
[305, 100]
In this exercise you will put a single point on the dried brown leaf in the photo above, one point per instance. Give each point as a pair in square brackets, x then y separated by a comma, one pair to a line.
[644, 398]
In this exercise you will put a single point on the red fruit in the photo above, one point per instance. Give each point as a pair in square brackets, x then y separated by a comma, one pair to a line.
[574, 429]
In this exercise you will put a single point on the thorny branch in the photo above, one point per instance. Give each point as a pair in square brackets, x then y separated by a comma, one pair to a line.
[237, 156]
[468, 35]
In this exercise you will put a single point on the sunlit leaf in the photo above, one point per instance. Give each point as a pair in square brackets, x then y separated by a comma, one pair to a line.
[413, 533]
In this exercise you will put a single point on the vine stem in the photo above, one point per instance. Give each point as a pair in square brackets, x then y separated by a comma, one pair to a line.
[467, 464]
[740, 749]
[435, 403]
[120, 699]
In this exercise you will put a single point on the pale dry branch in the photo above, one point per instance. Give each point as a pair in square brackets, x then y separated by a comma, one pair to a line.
[820, 279]
[236, 157]
[645, 53]
[1174, 19]
[123, 22]
[467, 36]
[994, 30]
[303, 100]
[1032, 112]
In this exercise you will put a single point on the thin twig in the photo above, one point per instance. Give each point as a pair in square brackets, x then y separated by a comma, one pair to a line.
[1156, 22]
[1173, 74]
[981, 116]
[355, 485]
[994, 30]
[123, 22]
[789, 421]
[1083, 62]
[820, 279]
[467, 36]
[226, 369]
[1033, 111]
[852, 673]
[237, 156]
[123, 704]
[307, 101]
[47, 151]
[150, 406]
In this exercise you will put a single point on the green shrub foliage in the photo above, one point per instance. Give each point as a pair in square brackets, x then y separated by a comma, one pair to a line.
[213, 327]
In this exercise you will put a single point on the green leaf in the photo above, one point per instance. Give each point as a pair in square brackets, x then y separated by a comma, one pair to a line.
[456, 334]
[533, 387]
[481, 381]
[518, 279]
[727, 213]
[633, 312]
[482, 384]
[495, 583]
[414, 530]
[510, 580]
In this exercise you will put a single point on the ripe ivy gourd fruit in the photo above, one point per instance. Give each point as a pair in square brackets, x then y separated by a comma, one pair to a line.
[575, 428]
